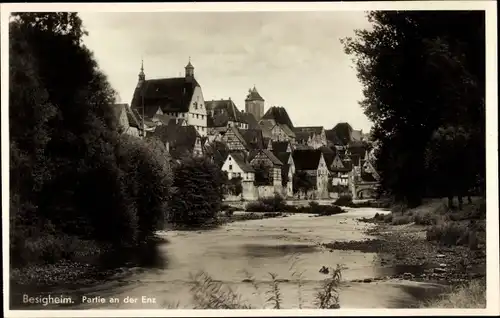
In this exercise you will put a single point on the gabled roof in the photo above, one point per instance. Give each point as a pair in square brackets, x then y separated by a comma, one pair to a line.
[241, 161]
[253, 138]
[302, 136]
[239, 135]
[253, 95]
[332, 137]
[287, 130]
[307, 159]
[217, 120]
[226, 107]
[280, 116]
[282, 156]
[267, 153]
[280, 146]
[249, 119]
[168, 94]
[343, 132]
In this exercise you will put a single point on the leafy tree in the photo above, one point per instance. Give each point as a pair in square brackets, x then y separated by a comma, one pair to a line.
[419, 74]
[197, 192]
[302, 182]
[262, 174]
[71, 172]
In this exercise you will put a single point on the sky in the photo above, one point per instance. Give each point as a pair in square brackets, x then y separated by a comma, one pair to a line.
[294, 59]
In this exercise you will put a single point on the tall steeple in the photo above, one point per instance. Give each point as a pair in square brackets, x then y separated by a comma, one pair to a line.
[142, 76]
[189, 69]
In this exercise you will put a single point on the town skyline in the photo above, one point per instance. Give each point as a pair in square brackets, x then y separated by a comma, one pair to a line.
[277, 52]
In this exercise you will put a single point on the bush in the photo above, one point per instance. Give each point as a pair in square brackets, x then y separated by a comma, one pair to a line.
[424, 218]
[401, 220]
[275, 203]
[448, 233]
[344, 200]
[198, 192]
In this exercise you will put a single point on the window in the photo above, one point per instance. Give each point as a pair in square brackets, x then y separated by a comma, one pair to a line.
[230, 167]
[229, 158]
[196, 116]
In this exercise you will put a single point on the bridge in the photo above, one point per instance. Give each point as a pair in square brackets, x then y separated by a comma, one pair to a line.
[362, 189]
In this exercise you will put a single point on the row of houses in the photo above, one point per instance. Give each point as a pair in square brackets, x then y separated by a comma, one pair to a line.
[244, 142]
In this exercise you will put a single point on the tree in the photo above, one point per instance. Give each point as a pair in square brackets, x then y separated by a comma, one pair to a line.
[446, 62]
[71, 172]
[302, 182]
[197, 192]
[262, 174]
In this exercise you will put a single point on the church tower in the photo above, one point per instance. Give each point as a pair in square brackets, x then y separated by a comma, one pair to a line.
[189, 69]
[142, 76]
[254, 103]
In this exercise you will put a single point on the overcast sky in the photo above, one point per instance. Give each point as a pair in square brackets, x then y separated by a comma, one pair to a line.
[295, 59]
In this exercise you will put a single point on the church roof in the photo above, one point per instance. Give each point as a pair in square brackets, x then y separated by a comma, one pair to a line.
[253, 95]
[168, 94]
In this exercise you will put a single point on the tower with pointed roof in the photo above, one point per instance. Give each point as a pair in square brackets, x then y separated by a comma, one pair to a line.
[254, 103]
[189, 69]
[142, 76]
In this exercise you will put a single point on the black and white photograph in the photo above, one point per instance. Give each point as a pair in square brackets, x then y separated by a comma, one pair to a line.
[286, 156]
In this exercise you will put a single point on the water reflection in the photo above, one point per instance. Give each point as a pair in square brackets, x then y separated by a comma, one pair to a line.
[261, 250]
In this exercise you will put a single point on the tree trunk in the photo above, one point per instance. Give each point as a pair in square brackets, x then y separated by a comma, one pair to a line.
[460, 202]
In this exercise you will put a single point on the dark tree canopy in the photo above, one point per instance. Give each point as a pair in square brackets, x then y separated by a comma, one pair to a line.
[421, 75]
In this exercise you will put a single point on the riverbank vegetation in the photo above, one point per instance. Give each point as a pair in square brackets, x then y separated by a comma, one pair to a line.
[277, 203]
[80, 189]
[208, 293]
[469, 295]
[77, 186]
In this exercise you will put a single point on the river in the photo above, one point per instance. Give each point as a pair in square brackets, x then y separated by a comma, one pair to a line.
[260, 247]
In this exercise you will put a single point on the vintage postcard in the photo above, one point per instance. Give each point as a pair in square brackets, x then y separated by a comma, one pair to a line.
[263, 158]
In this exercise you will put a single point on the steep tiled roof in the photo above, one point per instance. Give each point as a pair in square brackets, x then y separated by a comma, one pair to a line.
[301, 136]
[180, 138]
[282, 156]
[224, 106]
[168, 94]
[268, 154]
[343, 132]
[249, 118]
[306, 159]
[217, 120]
[280, 115]
[331, 136]
[241, 161]
[329, 157]
[280, 146]
[287, 130]
[253, 138]
[253, 95]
